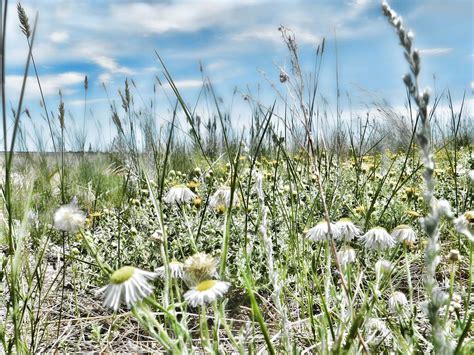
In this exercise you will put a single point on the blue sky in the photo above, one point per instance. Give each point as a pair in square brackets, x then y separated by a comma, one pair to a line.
[236, 41]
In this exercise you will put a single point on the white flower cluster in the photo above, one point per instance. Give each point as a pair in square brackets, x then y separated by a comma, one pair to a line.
[376, 238]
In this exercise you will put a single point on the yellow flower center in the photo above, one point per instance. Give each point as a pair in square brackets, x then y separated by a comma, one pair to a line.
[413, 213]
[192, 184]
[205, 285]
[121, 275]
[469, 215]
[402, 226]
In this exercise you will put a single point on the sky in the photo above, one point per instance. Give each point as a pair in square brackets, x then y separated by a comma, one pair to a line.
[239, 47]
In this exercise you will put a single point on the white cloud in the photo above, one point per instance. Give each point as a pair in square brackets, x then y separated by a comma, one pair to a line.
[51, 84]
[59, 37]
[80, 102]
[111, 65]
[435, 51]
[472, 85]
[362, 2]
[105, 78]
[217, 64]
[185, 16]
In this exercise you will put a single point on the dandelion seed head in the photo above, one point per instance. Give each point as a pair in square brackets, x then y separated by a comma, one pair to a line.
[199, 267]
[69, 218]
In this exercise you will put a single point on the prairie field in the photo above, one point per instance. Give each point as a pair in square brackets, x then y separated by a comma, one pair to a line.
[302, 231]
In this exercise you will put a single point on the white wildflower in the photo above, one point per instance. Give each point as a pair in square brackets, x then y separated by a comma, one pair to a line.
[206, 292]
[377, 239]
[222, 196]
[397, 302]
[176, 270]
[320, 232]
[179, 194]
[346, 255]
[127, 284]
[404, 234]
[347, 229]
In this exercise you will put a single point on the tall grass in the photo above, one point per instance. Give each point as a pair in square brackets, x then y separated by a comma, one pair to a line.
[285, 174]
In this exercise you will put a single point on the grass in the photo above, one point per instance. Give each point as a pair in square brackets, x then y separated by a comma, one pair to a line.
[287, 293]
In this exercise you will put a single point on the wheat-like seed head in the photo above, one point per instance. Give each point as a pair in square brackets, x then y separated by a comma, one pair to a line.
[24, 22]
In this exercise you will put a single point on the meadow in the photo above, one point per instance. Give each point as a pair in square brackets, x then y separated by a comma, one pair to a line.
[303, 234]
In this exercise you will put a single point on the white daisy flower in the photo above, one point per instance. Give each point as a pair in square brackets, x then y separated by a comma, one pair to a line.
[127, 284]
[397, 302]
[320, 232]
[347, 229]
[176, 270]
[377, 239]
[346, 255]
[69, 218]
[206, 292]
[199, 267]
[222, 197]
[404, 234]
[465, 224]
[179, 194]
